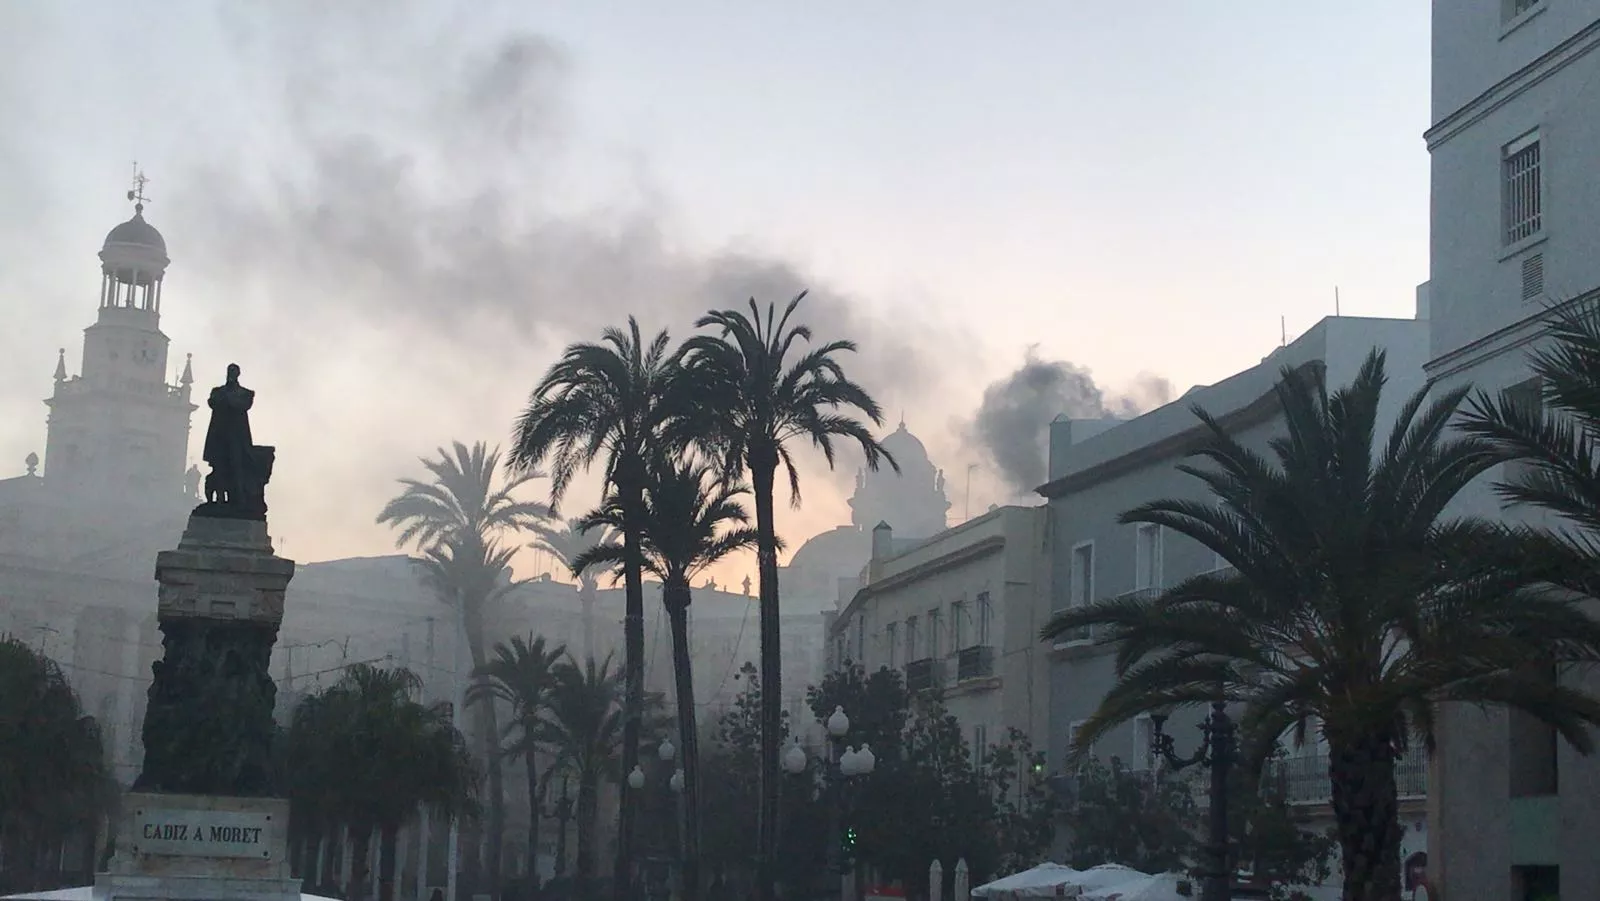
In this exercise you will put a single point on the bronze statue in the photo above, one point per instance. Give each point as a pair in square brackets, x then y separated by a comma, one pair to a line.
[240, 468]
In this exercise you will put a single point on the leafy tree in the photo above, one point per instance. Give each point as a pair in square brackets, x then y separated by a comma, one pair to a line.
[1126, 816]
[366, 754]
[567, 541]
[455, 519]
[691, 520]
[54, 781]
[1352, 602]
[732, 799]
[1271, 840]
[754, 391]
[522, 674]
[606, 400]
[1025, 808]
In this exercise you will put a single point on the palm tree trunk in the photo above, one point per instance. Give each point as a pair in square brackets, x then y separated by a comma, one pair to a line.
[588, 813]
[763, 467]
[388, 844]
[586, 595]
[360, 851]
[532, 761]
[489, 741]
[677, 597]
[1366, 812]
[633, 688]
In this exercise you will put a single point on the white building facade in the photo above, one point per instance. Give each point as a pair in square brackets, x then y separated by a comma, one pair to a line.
[959, 614]
[1514, 144]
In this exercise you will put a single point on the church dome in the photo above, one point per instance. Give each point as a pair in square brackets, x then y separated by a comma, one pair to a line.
[906, 448]
[138, 233]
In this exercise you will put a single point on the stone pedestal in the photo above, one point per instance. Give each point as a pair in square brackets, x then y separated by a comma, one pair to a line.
[201, 823]
[208, 725]
[173, 847]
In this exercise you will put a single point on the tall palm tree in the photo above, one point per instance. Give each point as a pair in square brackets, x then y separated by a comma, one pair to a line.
[367, 750]
[755, 391]
[605, 401]
[522, 675]
[692, 519]
[454, 519]
[567, 541]
[584, 728]
[1353, 603]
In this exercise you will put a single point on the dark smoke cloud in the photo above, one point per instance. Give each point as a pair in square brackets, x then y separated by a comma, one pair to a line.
[1012, 425]
[414, 186]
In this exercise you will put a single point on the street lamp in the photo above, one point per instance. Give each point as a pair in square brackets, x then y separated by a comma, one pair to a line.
[636, 777]
[666, 752]
[1217, 750]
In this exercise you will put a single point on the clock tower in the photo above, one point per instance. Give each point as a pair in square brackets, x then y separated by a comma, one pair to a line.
[119, 430]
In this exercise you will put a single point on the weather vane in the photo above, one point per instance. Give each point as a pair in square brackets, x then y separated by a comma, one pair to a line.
[137, 193]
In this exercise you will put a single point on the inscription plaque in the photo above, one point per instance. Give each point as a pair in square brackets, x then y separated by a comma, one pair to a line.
[202, 833]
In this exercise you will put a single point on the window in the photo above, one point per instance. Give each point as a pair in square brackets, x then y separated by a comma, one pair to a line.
[1521, 189]
[958, 626]
[1527, 397]
[911, 639]
[934, 617]
[980, 746]
[984, 614]
[890, 637]
[861, 639]
[1147, 557]
[1082, 574]
[1143, 734]
[840, 652]
[1515, 8]
[1072, 735]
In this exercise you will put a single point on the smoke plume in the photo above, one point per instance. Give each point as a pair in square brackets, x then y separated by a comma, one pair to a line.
[1012, 425]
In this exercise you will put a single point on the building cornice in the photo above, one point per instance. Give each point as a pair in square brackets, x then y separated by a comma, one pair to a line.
[977, 550]
[1179, 444]
[1501, 341]
[1514, 85]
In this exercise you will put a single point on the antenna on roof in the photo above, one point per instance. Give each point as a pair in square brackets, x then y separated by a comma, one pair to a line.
[1283, 331]
[1336, 300]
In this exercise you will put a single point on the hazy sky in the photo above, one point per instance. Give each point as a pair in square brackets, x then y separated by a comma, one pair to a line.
[393, 214]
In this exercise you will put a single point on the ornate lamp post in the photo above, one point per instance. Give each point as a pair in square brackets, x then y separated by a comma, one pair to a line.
[658, 877]
[1217, 750]
[851, 762]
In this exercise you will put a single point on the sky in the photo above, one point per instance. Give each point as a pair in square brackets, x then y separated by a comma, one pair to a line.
[393, 214]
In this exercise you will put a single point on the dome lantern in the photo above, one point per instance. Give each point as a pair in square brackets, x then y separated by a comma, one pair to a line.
[133, 259]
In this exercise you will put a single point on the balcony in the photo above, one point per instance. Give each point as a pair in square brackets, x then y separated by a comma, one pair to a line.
[976, 662]
[1305, 779]
[922, 675]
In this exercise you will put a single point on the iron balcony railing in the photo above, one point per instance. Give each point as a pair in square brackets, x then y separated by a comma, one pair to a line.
[922, 675]
[1305, 779]
[975, 662]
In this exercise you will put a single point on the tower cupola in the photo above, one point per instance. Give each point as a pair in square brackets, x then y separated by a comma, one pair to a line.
[133, 260]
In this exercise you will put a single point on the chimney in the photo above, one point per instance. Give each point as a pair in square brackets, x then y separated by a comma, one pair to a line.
[882, 548]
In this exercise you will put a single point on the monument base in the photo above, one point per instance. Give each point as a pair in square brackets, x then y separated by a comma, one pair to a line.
[175, 847]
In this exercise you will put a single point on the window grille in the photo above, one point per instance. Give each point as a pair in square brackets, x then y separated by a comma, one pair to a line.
[1520, 177]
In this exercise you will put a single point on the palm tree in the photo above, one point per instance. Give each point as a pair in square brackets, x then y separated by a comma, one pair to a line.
[1352, 603]
[454, 520]
[584, 728]
[567, 541]
[54, 781]
[522, 674]
[365, 749]
[751, 399]
[691, 521]
[605, 400]
[1552, 436]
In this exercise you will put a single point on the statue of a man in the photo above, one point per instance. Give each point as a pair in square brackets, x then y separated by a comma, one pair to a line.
[229, 448]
